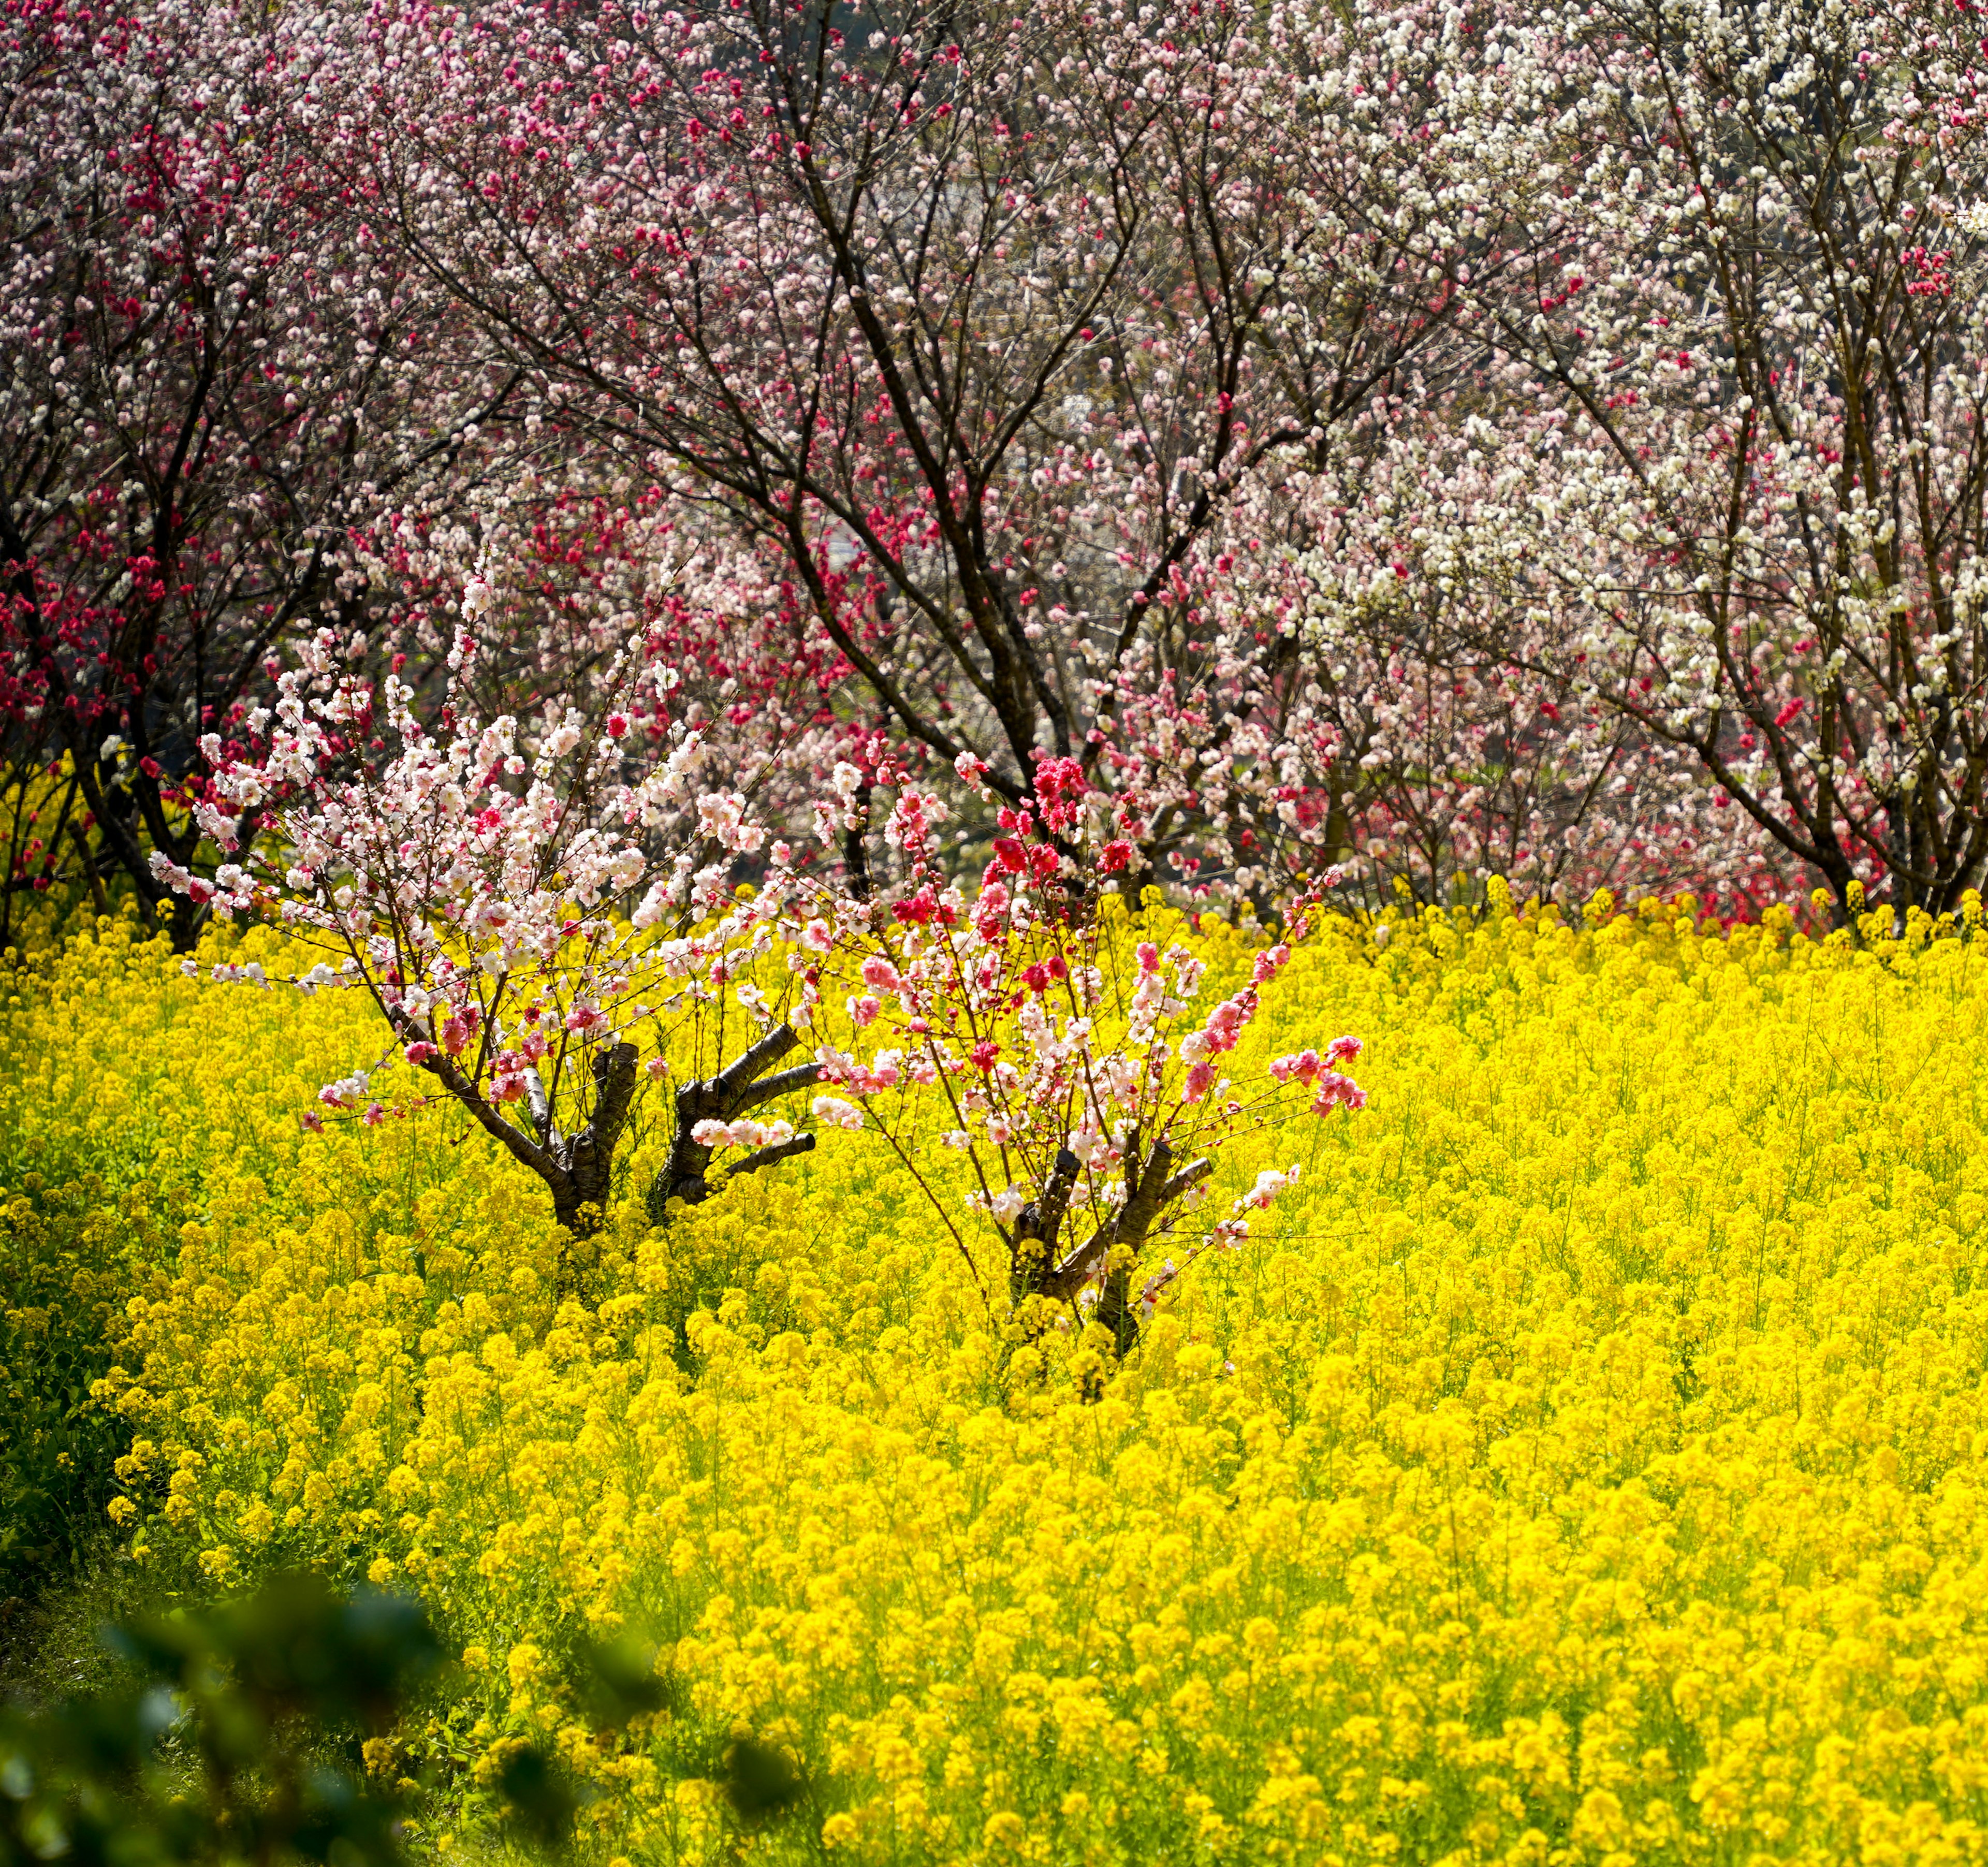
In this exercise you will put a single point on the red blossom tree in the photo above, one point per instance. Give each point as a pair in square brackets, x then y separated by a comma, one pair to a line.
[215, 393]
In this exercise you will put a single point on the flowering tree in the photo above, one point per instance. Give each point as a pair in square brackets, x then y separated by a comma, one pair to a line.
[1455, 672]
[1086, 1094]
[214, 391]
[1732, 483]
[1500, 440]
[1008, 339]
[529, 905]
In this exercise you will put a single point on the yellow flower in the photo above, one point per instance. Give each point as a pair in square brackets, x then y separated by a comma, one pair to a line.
[1586, 1461]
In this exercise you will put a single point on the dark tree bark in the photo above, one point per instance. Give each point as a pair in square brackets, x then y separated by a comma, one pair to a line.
[736, 1090]
[1111, 1251]
[586, 1160]
[577, 1168]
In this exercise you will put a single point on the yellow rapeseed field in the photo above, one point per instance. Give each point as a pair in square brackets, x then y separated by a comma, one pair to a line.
[1586, 1463]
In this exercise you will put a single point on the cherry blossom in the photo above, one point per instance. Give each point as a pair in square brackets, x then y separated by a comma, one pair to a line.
[530, 903]
[219, 391]
[1022, 351]
[1726, 487]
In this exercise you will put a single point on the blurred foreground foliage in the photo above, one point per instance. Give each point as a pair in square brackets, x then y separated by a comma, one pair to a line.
[265, 1730]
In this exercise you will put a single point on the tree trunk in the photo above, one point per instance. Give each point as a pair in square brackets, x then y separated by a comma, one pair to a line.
[1108, 1255]
[581, 1175]
[735, 1090]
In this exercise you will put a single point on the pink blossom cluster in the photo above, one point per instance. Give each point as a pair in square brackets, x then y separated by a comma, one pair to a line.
[744, 1134]
[1321, 1074]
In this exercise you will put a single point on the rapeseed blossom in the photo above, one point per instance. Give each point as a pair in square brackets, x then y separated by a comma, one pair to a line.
[1584, 1460]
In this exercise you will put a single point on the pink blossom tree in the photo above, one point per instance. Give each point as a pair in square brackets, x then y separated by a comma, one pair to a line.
[215, 391]
[1084, 1092]
[530, 904]
[1014, 343]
